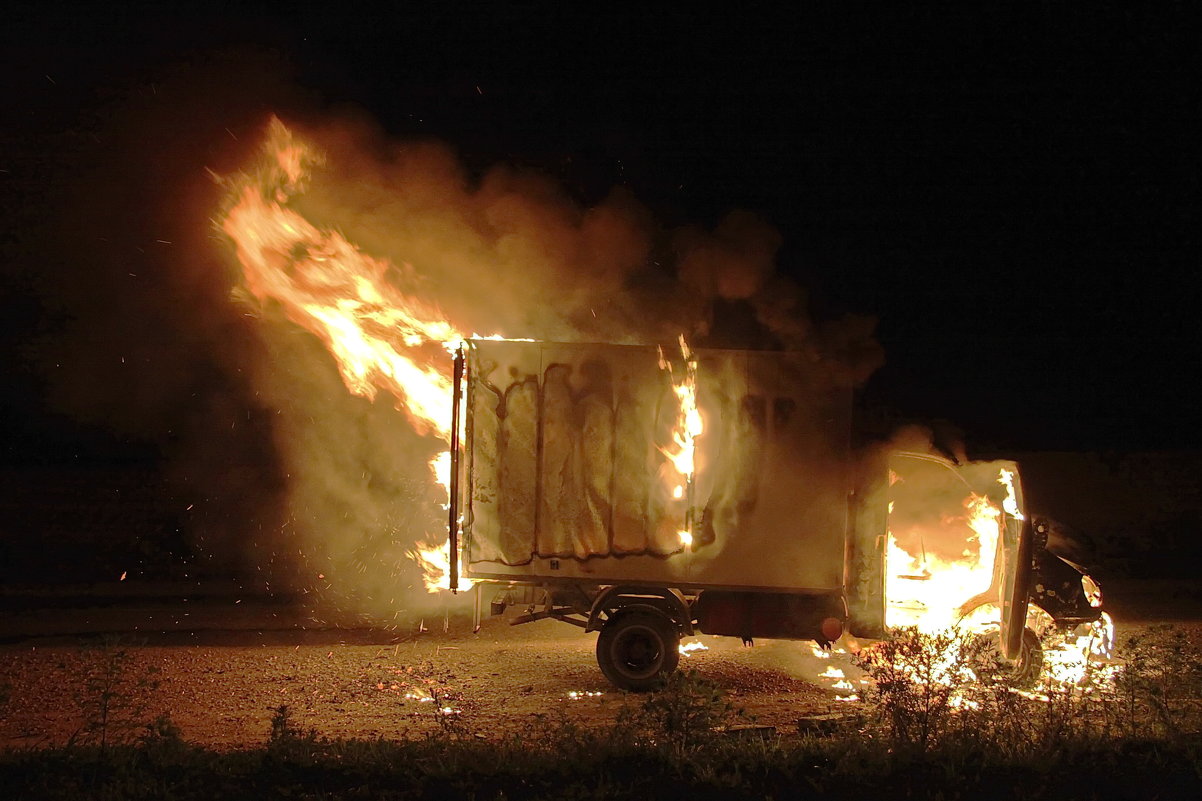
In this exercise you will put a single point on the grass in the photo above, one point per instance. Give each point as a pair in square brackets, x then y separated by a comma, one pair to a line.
[106, 697]
[1138, 738]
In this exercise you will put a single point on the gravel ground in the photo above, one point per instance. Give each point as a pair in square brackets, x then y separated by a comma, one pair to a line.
[500, 681]
[220, 671]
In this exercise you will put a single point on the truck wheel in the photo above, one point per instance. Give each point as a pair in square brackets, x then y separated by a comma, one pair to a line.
[1025, 673]
[637, 649]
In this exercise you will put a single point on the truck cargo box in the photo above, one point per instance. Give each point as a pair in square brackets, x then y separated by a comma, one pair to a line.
[567, 477]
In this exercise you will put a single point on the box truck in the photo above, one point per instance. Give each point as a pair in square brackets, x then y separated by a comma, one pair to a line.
[570, 496]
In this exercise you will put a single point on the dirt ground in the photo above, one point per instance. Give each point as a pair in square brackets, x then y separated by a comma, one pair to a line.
[221, 673]
[500, 681]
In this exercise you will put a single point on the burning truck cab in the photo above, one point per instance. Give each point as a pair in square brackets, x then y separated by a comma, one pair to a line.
[650, 495]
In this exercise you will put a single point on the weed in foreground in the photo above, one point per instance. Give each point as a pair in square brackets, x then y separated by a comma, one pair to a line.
[110, 698]
[285, 731]
[681, 716]
[947, 694]
[1159, 689]
[920, 681]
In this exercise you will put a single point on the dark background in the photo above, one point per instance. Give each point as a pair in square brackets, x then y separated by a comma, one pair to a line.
[1013, 194]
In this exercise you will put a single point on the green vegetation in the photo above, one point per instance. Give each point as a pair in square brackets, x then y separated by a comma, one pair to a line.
[940, 724]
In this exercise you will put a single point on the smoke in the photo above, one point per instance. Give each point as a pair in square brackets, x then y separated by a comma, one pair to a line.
[277, 470]
[731, 262]
[509, 251]
[503, 252]
[357, 491]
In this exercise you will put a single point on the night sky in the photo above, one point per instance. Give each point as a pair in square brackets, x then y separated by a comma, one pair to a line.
[1012, 194]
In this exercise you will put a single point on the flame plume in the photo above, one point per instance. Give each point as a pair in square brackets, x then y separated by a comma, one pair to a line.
[381, 337]
[378, 335]
[928, 592]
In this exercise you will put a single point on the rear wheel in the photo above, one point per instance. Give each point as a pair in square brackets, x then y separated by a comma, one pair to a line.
[637, 649]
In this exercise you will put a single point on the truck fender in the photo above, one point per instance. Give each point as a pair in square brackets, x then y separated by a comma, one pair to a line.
[659, 599]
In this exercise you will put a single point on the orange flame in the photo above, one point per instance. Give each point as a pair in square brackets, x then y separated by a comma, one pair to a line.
[380, 336]
[1010, 504]
[926, 591]
[689, 426]
[435, 563]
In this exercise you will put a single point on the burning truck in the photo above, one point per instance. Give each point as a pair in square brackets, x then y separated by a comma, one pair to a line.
[650, 496]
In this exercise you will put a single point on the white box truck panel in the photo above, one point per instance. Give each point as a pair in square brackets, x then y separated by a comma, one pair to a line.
[567, 477]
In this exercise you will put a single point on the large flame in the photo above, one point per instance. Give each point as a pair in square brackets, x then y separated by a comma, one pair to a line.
[688, 427]
[929, 593]
[381, 337]
[926, 591]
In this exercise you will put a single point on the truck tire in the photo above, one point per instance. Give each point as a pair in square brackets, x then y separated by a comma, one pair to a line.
[637, 649]
[1029, 664]
[1023, 672]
